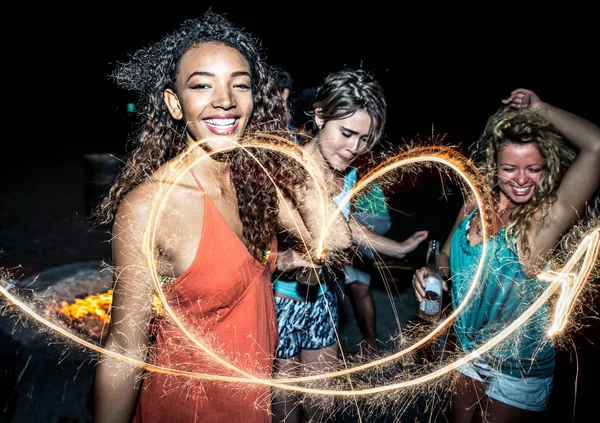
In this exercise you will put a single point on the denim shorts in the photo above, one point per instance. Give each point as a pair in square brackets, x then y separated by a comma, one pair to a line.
[354, 275]
[306, 325]
[528, 393]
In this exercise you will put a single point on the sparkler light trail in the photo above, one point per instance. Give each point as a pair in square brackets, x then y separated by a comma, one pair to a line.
[571, 284]
[569, 280]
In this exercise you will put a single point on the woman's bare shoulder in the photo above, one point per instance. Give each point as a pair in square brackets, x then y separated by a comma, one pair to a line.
[161, 191]
[468, 206]
[138, 201]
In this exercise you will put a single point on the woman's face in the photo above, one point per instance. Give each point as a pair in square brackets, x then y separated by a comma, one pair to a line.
[214, 94]
[341, 141]
[520, 169]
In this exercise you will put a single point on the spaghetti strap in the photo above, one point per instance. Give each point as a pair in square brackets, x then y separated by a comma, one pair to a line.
[213, 209]
[197, 180]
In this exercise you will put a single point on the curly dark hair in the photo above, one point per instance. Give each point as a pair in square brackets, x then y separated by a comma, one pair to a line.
[159, 137]
[511, 126]
[343, 93]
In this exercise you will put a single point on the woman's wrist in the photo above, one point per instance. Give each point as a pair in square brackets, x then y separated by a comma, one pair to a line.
[542, 110]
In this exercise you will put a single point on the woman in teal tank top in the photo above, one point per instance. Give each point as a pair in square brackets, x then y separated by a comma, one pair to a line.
[540, 185]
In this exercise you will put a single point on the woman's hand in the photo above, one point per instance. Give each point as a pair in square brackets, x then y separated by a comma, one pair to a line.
[522, 98]
[418, 282]
[410, 244]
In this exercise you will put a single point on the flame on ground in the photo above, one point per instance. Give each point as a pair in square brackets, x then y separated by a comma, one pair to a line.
[95, 307]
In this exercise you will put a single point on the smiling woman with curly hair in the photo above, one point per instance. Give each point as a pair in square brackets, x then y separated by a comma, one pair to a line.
[202, 89]
[541, 164]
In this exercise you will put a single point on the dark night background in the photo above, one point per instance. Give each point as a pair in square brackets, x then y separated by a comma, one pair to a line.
[444, 70]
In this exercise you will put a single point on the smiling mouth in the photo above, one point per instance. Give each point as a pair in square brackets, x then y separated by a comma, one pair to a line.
[521, 190]
[220, 123]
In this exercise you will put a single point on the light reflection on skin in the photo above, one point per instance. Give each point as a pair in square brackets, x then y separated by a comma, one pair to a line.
[570, 281]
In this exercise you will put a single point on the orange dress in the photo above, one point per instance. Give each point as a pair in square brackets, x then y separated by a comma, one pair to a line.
[226, 299]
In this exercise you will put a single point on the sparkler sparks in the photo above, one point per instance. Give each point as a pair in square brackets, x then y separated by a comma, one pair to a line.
[569, 280]
[571, 284]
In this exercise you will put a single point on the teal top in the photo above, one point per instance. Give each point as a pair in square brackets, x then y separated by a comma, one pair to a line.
[372, 200]
[290, 288]
[350, 180]
[504, 293]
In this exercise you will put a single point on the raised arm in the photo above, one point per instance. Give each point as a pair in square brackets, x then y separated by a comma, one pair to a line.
[116, 384]
[582, 178]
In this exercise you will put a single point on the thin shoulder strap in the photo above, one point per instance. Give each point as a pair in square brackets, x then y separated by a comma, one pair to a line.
[197, 180]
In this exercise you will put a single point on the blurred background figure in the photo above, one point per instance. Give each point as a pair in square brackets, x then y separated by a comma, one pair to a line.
[371, 210]
[303, 106]
[300, 104]
[286, 83]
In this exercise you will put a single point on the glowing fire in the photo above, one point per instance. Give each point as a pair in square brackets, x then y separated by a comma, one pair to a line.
[91, 307]
[95, 307]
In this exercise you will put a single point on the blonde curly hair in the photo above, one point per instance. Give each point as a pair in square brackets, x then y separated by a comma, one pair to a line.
[510, 126]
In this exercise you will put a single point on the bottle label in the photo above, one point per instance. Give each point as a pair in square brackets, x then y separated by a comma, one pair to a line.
[433, 285]
[433, 297]
[430, 307]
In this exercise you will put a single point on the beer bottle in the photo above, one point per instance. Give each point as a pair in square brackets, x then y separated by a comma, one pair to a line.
[431, 307]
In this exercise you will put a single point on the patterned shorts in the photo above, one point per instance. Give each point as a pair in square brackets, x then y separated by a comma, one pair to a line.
[306, 325]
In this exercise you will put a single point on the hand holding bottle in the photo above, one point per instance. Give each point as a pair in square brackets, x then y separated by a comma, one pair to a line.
[431, 285]
[418, 282]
